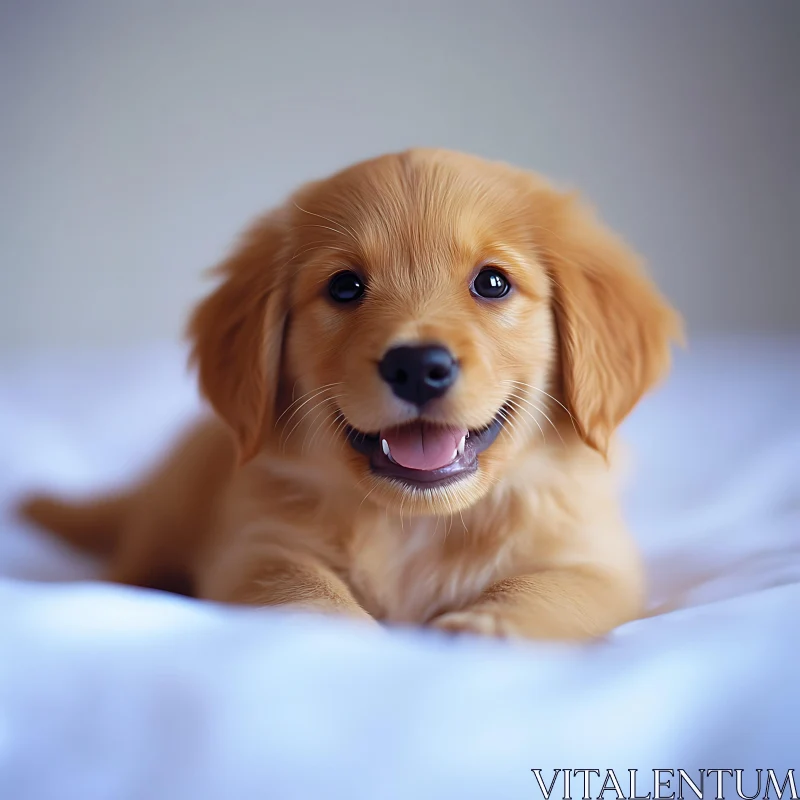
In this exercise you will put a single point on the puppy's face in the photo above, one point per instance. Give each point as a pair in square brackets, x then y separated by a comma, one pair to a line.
[424, 318]
[423, 309]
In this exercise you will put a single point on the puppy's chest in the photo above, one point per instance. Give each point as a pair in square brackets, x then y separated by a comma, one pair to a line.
[414, 571]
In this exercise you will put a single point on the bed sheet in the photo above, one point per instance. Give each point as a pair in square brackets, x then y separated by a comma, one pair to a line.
[110, 692]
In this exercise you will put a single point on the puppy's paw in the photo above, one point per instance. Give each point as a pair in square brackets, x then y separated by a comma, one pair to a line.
[479, 621]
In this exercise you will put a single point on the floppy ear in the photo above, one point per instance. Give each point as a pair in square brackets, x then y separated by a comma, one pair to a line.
[614, 327]
[237, 334]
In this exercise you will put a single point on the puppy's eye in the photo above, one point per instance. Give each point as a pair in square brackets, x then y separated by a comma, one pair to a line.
[346, 286]
[491, 283]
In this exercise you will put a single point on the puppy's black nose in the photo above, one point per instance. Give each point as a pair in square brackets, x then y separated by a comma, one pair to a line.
[419, 374]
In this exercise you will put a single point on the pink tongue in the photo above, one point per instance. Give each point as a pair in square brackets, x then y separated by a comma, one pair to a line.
[420, 445]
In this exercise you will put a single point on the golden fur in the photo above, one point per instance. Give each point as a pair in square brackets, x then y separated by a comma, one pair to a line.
[268, 504]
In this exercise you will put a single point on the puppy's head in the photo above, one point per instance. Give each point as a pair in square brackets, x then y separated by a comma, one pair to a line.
[425, 318]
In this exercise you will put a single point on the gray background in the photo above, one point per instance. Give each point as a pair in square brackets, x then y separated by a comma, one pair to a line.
[138, 137]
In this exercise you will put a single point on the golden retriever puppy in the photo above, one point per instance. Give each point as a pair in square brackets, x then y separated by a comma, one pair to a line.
[417, 367]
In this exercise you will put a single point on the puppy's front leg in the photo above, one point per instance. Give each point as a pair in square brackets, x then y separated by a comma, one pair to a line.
[558, 604]
[277, 579]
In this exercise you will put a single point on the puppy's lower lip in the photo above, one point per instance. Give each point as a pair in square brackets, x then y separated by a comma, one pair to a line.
[465, 457]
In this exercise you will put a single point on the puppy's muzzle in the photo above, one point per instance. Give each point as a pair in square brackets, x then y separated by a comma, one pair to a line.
[419, 374]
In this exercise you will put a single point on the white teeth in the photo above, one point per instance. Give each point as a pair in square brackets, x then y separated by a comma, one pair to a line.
[455, 455]
[386, 452]
[461, 445]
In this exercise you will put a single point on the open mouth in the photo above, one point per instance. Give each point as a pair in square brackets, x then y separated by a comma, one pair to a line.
[425, 454]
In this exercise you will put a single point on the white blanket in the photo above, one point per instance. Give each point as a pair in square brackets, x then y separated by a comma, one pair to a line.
[108, 692]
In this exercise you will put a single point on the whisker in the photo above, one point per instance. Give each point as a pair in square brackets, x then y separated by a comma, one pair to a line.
[364, 500]
[342, 227]
[305, 394]
[402, 526]
[527, 412]
[450, 516]
[522, 410]
[308, 248]
[334, 433]
[506, 417]
[554, 399]
[314, 394]
[536, 407]
[339, 428]
[464, 525]
[323, 227]
[316, 428]
[309, 411]
[542, 412]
